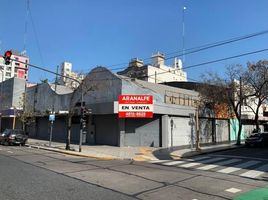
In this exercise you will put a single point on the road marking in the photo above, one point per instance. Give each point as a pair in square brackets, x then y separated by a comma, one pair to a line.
[232, 190]
[158, 161]
[203, 162]
[257, 172]
[218, 164]
[9, 151]
[239, 167]
[190, 165]
[173, 163]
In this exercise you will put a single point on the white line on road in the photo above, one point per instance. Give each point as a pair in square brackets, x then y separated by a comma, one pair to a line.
[158, 161]
[198, 159]
[233, 190]
[9, 151]
[257, 172]
[218, 164]
[188, 165]
[239, 167]
[173, 163]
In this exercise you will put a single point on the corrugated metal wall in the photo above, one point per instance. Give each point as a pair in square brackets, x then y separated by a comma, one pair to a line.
[107, 132]
[142, 132]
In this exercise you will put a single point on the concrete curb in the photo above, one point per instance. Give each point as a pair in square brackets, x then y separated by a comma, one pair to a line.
[207, 151]
[145, 153]
[71, 152]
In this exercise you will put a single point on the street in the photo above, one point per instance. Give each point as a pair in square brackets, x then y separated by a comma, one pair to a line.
[28, 173]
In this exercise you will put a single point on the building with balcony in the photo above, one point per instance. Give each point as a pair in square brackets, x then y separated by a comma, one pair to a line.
[15, 68]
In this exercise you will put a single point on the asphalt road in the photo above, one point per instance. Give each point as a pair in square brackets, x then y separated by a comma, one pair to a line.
[27, 173]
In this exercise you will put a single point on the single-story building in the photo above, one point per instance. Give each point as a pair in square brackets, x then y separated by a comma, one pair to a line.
[172, 124]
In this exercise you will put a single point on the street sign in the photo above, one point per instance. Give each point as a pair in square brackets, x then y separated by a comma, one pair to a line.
[51, 118]
[135, 106]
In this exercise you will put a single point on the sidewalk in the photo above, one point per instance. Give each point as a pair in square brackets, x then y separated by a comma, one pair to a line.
[133, 153]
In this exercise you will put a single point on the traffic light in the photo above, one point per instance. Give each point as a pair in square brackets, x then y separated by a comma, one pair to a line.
[84, 123]
[7, 57]
[83, 118]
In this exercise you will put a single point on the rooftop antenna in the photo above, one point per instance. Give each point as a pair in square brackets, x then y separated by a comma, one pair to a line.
[183, 34]
[26, 27]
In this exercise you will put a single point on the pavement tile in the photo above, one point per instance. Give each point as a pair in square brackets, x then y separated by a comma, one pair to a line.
[118, 181]
[106, 163]
[34, 158]
[153, 173]
[215, 186]
[64, 166]
[178, 193]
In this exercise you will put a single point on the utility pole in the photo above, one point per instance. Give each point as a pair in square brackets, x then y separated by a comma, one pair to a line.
[53, 109]
[81, 119]
[197, 147]
[240, 113]
[1, 108]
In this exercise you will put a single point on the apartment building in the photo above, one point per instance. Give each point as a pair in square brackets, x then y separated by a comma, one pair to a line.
[17, 68]
[157, 71]
[66, 71]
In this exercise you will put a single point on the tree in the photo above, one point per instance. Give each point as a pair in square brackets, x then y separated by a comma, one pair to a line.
[225, 91]
[257, 82]
[25, 116]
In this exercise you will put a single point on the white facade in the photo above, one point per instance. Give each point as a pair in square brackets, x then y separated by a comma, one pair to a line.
[157, 71]
[66, 70]
[160, 73]
[15, 69]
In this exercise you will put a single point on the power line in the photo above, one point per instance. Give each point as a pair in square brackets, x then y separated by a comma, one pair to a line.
[227, 58]
[200, 48]
[221, 59]
[36, 37]
[191, 66]
[196, 65]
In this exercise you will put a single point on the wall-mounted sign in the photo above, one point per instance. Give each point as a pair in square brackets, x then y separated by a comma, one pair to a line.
[135, 106]
[51, 118]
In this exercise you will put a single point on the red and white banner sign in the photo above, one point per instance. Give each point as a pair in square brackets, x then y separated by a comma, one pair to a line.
[135, 106]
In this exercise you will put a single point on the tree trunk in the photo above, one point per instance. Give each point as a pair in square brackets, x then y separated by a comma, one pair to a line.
[23, 126]
[238, 141]
[68, 138]
[257, 123]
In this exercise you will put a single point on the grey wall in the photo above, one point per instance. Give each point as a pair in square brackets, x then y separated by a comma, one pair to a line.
[41, 129]
[142, 132]
[41, 98]
[212, 130]
[107, 131]
[222, 131]
[100, 87]
[13, 90]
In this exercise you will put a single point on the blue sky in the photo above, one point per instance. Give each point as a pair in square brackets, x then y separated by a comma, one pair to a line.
[90, 33]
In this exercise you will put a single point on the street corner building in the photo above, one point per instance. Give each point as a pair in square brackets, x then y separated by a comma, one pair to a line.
[168, 121]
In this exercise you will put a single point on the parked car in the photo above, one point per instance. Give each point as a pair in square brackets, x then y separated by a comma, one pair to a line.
[257, 139]
[13, 136]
